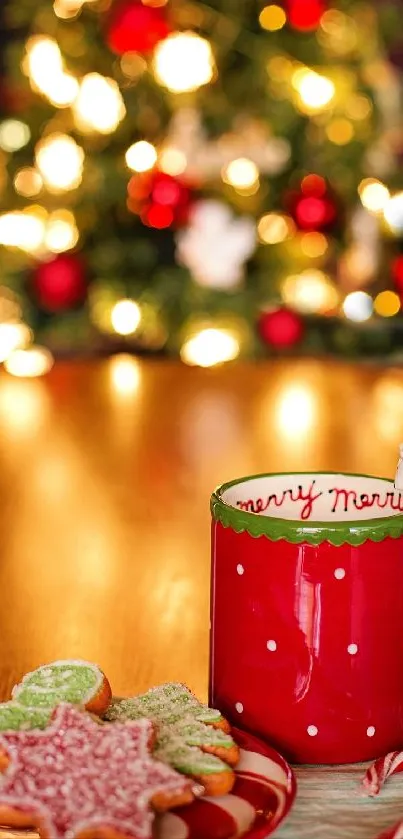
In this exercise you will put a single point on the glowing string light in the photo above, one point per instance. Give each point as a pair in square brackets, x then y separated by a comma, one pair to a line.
[13, 336]
[28, 182]
[210, 347]
[387, 304]
[35, 361]
[125, 375]
[295, 411]
[340, 131]
[358, 306]
[61, 231]
[273, 228]
[272, 18]
[242, 174]
[50, 153]
[45, 67]
[313, 244]
[310, 292]
[393, 212]
[99, 105]
[183, 61]
[14, 135]
[172, 161]
[374, 195]
[141, 156]
[24, 230]
[125, 317]
[315, 91]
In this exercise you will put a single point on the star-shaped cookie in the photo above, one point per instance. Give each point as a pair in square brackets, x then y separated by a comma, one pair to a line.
[191, 737]
[79, 778]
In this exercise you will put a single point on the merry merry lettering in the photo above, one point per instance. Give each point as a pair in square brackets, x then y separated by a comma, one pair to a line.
[346, 500]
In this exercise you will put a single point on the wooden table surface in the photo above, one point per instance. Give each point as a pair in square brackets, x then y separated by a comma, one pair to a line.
[106, 472]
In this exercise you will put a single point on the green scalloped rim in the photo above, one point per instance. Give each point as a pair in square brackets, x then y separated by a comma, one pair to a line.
[314, 533]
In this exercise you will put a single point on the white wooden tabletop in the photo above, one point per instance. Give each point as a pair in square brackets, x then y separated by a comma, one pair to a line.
[330, 805]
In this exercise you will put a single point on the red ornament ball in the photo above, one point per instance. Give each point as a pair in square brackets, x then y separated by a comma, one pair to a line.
[305, 15]
[159, 199]
[280, 328]
[313, 208]
[397, 272]
[133, 27]
[60, 284]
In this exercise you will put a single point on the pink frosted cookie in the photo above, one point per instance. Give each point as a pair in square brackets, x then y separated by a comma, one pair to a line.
[79, 779]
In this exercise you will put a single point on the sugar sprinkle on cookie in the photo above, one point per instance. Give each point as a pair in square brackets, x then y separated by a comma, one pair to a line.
[78, 777]
[191, 737]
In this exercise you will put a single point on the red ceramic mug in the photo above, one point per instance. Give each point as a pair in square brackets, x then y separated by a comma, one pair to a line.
[307, 613]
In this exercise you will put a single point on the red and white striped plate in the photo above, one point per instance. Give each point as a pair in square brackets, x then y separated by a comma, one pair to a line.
[263, 794]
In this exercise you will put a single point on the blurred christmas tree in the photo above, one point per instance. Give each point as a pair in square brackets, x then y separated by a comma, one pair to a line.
[210, 179]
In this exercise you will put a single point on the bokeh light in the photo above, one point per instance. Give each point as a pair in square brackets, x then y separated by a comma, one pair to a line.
[295, 411]
[374, 195]
[44, 59]
[28, 182]
[210, 347]
[13, 336]
[14, 135]
[358, 107]
[99, 105]
[66, 9]
[183, 61]
[305, 15]
[60, 161]
[141, 156]
[63, 90]
[358, 306]
[125, 317]
[172, 161]
[61, 231]
[312, 291]
[387, 304]
[393, 212]
[272, 18]
[273, 228]
[24, 230]
[242, 174]
[124, 374]
[133, 65]
[45, 67]
[315, 91]
[314, 244]
[280, 68]
[35, 361]
[340, 131]
[387, 408]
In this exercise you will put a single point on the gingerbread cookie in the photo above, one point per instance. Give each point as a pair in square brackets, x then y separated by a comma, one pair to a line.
[75, 681]
[191, 737]
[78, 778]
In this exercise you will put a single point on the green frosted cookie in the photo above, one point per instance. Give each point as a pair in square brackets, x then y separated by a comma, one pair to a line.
[15, 717]
[35, 697]
[185, 729]
[72, 681]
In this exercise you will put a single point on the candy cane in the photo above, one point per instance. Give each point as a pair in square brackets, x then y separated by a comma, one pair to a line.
[381, 770]
[395, 832]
